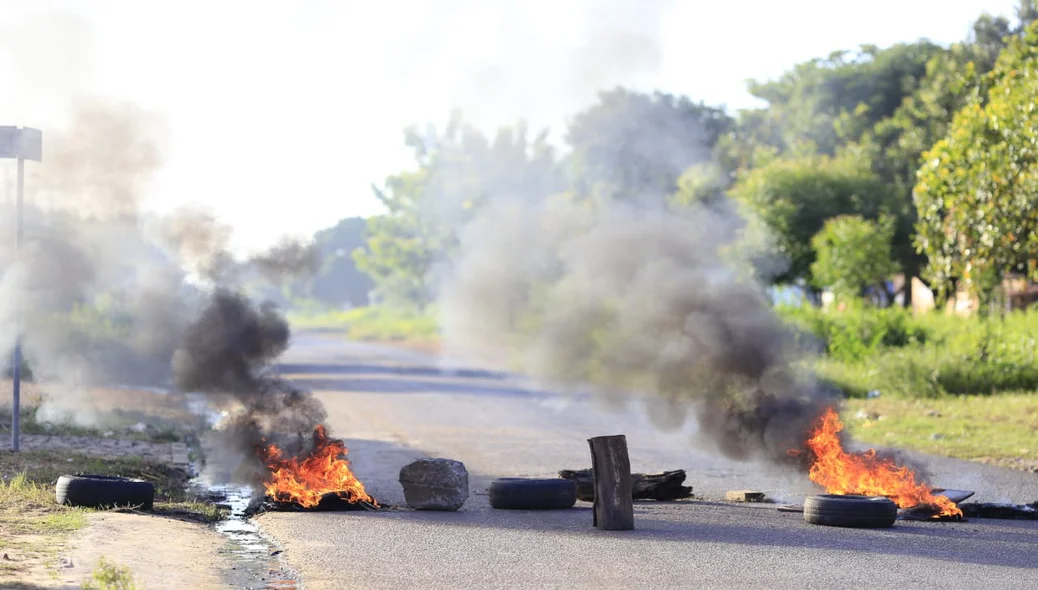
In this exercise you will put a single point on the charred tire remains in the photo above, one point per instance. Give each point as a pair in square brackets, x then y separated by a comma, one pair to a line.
[850, 511]
[532, 494]
[98, 491]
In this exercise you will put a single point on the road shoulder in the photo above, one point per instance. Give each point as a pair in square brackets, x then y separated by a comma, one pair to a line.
[160, 552]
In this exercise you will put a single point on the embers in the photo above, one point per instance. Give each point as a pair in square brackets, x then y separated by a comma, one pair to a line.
[329, 502]
[929, 512]
[1004, 511]
[975, 510]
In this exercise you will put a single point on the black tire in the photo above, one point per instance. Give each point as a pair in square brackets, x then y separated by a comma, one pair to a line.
[509, 493]
[850, 511]
[104, 491]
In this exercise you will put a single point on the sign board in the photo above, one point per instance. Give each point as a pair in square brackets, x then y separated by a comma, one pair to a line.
[21, 142]
[9, 140]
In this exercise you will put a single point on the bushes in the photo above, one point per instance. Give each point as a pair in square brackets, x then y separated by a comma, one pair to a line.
[381, 323]
[390, 324]
[895, 353]
[858, 332]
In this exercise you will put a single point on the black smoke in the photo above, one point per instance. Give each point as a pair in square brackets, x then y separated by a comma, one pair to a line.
[226, 353]
[640, 299]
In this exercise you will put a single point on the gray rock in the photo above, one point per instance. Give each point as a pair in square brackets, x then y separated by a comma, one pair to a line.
[435, 484]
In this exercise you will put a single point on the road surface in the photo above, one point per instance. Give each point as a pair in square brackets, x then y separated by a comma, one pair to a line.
[394, 405]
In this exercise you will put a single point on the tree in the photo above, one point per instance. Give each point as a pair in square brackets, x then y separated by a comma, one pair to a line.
[632, 146]
[977, 193]
[338, 280]
[459, 170]
[1026, 13]
[822, 104]
[795, 196]
[852, 253]
[703, 183]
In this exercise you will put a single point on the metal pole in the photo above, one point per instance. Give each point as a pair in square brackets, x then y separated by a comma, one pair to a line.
[16, 414]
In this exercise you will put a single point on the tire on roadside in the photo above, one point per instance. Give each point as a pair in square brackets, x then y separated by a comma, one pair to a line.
[509, 493]
[850, 511]
[104, 491]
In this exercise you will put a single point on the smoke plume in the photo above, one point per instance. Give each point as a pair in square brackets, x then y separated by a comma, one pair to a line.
[288, 259]
[638, 299]
[225, 353]
[106, 295]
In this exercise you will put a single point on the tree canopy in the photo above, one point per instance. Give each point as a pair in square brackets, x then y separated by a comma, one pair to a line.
[977, 193]
[852, 253]
[927, 148]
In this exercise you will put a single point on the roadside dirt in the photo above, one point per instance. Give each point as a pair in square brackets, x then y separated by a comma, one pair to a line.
[161, 552]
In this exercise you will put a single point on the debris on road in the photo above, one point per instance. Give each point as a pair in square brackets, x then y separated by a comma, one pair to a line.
[512, 493]
[613, 507]
[868, 473]
[328, 502]
[657, 486]
[744, 496]
[98, 491]
[435, 484]
[850, 511]
[1001, 511]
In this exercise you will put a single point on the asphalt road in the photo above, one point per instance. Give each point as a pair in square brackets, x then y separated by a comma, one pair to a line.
[393, 406]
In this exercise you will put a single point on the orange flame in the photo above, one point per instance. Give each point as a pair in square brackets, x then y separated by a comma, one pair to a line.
[840, 472]
[325, 470]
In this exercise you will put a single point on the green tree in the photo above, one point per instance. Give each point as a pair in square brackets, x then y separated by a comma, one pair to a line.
[702, 183]
[977, 193]
[338, 281]
[459, 170]
[1026, 13]
[795, 196]
[852, 253]
[631, 145]
[822, 104]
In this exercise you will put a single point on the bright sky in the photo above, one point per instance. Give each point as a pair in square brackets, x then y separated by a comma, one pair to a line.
[282, 113]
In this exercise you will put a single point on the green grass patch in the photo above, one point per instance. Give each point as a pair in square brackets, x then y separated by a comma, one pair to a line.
[33, 527]
[1000, 429]
[925, 356]
[373, 324]
[173, 496]
[110, 576]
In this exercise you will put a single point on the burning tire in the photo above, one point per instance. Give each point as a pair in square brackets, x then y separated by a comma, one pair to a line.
[850, 511]
[96, 491]
[509, 493]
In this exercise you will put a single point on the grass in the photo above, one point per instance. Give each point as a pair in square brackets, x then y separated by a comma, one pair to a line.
[947, 385]
[33, 526]
[925, 356]
[110, 576]
[1001, 430]
[173, 497]
[373, 324]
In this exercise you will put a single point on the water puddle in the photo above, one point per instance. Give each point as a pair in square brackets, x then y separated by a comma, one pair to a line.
[254, 556]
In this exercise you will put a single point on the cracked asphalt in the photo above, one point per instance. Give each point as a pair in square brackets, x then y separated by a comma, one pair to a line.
[394, 405]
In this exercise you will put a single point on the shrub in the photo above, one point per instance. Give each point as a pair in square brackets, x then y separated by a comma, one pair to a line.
[960, 356]
[852, 253]
[373, 323]
[858, 332]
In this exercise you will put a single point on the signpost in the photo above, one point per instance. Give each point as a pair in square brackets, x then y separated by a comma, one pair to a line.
[20, 143]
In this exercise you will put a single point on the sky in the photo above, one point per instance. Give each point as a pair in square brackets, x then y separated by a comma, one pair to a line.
[279, 115]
